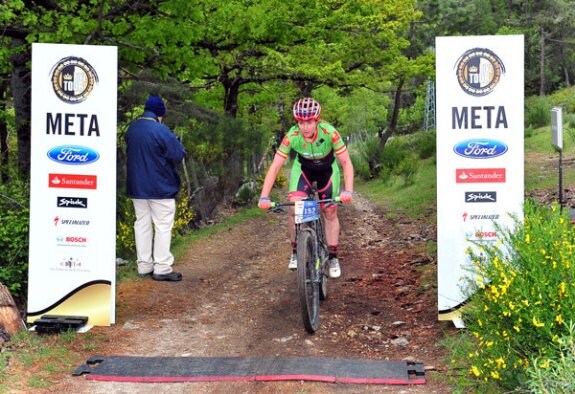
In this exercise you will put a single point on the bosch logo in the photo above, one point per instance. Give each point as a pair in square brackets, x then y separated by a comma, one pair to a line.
[73, 155]
[480, 148]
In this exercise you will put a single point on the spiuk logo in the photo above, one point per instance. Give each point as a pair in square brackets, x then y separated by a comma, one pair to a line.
[478, 71]
[73, 79]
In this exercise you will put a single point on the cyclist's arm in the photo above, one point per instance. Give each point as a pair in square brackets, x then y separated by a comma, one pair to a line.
[346, 164]
[272, 174]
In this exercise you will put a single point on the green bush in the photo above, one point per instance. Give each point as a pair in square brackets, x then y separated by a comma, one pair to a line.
[361, 150]
[522, 296]
[564, 98]
[407, 169]
[391, 157]
[360, 165]
[14, 229]
[425, 144]
[557, 375]
[537, 111]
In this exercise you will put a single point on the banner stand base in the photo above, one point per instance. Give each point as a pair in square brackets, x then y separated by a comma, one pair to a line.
[53, 324]
[454, 316]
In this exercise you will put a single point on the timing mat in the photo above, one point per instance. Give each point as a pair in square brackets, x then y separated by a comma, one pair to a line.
[211, 369]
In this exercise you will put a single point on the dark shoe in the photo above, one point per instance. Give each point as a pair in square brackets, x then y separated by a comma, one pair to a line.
[147, 274]
[171, 277]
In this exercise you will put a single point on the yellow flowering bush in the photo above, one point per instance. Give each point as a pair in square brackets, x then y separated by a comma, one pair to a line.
[522, 294]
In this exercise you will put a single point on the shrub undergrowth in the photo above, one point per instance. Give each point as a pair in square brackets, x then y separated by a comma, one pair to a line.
[522, 299]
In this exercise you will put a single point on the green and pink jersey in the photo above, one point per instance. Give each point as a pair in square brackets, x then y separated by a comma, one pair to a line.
[315, 159]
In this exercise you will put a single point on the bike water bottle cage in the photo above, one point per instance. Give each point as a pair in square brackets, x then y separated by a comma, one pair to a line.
[306, 109]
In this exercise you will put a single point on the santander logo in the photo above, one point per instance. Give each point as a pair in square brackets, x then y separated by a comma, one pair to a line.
[480, 175]
[72, 181]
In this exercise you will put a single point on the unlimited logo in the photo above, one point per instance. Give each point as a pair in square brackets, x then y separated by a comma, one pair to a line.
[480, 148]
[479, 71]
[73, 154]
[73, 79]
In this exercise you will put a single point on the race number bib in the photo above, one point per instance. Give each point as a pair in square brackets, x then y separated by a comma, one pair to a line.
[306, 211]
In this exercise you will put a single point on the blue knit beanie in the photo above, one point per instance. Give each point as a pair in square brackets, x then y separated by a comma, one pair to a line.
[155, 105]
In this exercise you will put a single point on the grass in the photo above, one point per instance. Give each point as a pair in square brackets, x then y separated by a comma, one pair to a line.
[416, 200]
[542, 163]
[37, 361]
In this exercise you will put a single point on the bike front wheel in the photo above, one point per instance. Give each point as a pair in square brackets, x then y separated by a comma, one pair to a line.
[308, 279]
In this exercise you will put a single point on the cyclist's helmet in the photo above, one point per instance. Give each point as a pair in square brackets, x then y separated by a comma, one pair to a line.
[306, 109]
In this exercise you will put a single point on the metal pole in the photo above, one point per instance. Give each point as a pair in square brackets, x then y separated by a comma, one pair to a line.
[561, 180]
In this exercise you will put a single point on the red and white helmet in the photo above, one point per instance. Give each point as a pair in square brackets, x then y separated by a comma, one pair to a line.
[306, 109]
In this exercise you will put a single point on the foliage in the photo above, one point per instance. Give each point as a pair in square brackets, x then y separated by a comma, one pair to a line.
[522, 296]
[393, 157]
[415, 200]
[537, 111]
[407, 169]
[14, 237]
[125, 217]
[362, 147]
[555, 375]
[246, 195]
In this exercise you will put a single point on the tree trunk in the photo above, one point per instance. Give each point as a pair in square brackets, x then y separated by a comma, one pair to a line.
[4, 152]
[231, 88]
[383, 137]
[542, 81]
[21, 91]
[565, 61]
[10, 318]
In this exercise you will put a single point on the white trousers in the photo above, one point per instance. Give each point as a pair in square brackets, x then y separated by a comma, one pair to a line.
[153, 234]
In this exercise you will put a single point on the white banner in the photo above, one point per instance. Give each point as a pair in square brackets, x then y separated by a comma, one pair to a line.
[72, 254]
[479, 152]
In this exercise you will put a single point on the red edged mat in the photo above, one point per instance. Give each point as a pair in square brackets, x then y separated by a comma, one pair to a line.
[207, 369]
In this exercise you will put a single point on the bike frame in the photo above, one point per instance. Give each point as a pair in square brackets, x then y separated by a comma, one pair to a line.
[308, 219]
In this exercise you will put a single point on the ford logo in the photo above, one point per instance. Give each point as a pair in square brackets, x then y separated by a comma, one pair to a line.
[73, 154]
[480, 148]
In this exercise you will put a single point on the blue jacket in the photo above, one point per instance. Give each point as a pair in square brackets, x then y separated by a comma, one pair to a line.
[154, 153]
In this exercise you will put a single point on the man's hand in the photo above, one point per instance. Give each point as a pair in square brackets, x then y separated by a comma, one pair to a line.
[264, 203]
[345, 197]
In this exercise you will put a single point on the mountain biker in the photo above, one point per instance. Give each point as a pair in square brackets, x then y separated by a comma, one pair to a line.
[317, 144]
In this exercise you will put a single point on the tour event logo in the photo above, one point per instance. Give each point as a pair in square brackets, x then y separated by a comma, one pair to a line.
[478, 71]
[73, 79]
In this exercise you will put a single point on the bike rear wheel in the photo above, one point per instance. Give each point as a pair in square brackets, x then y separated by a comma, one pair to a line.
[322, 249]
[308, 279]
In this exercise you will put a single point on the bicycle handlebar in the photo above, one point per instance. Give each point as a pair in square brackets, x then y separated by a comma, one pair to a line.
[327, 201]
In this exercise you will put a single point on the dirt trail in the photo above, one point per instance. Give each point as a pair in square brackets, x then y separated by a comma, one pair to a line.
[237, 298]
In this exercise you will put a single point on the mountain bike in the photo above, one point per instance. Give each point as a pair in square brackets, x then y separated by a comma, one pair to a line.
[312, 255]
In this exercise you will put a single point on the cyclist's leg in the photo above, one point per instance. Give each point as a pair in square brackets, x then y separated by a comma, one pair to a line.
[296, 193]
[328, 186]
[331, 220]
[298, 188]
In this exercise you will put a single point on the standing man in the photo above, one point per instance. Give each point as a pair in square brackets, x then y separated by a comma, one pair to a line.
[154, 153]
[317, 145]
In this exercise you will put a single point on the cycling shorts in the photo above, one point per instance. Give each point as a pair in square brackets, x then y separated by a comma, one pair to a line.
[301, 179]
